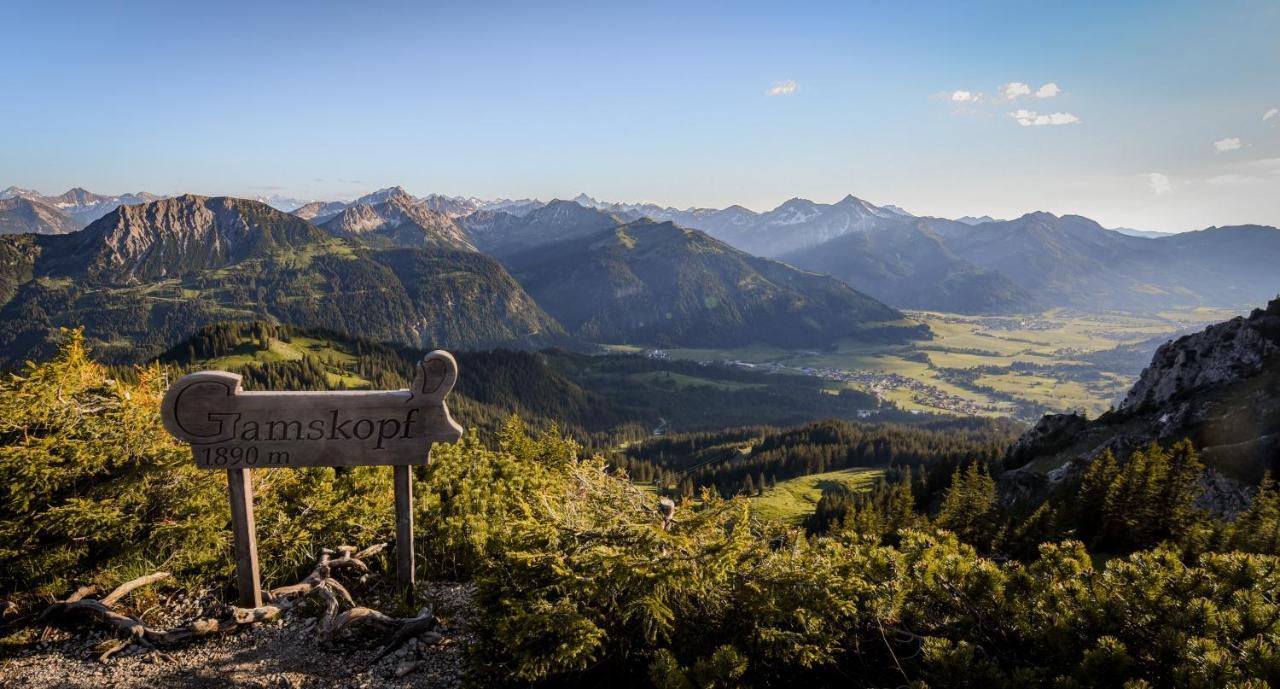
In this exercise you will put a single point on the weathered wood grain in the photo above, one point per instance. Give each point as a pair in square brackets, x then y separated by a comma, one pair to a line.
[404, 531]
[240, 492]
[229, 428]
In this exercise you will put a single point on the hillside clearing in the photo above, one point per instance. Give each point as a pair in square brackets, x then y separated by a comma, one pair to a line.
[792, 500]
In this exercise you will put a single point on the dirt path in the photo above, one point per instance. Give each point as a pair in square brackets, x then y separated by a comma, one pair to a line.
[281, 654]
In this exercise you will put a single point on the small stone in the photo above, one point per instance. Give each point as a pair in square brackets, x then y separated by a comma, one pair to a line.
[406, 667]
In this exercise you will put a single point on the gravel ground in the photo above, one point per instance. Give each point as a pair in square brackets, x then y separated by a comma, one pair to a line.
[281, 654]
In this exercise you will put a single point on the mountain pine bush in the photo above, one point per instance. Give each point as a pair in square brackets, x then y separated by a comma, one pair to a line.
[93, 490]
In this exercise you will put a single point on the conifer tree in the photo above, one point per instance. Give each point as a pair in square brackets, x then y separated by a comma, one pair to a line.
[1181, 487]
[1257, 529]
[968, 508]
[1092, 500]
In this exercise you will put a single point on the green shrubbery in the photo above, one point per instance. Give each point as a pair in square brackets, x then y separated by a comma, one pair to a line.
[93, 490]
[580, 579]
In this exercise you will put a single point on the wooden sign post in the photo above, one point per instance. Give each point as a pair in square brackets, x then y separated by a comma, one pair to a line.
[239, 431]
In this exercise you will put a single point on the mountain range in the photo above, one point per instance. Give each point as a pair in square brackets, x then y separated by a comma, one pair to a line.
[395, 218]
[984, 265]
[73, 208]
[142, 277]
[969, 265]
[388, 267]
[504, 234]
[658, 283]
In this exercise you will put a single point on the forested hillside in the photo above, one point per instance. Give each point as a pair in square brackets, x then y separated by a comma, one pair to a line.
[659, 283]
[748, 459]
[599, 400]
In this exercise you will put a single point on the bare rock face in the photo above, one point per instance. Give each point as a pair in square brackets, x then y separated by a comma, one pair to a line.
[1222, 353]
[173, 237]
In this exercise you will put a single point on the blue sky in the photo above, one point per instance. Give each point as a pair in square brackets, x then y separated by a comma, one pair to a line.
[1153, 113]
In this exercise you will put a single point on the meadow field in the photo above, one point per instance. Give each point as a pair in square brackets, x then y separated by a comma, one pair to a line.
[794, 499]
[1020, 366]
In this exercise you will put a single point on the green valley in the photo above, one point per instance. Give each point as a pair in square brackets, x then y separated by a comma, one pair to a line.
[1019, 366]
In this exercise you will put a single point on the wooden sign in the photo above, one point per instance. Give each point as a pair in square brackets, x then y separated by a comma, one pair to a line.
[229, 428]
[238, 431]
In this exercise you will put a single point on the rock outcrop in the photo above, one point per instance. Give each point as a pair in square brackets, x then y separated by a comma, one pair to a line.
[1222, 353]
[1219, 387]
[1050, 434]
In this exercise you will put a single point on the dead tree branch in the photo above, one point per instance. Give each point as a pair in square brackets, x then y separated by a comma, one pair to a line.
[319, 583]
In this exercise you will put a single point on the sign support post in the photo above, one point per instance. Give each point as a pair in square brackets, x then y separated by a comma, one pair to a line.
[240, 491]
[404, 531]
[239, 431]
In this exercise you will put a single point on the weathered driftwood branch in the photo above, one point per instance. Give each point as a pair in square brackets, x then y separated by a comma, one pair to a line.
[332, 594]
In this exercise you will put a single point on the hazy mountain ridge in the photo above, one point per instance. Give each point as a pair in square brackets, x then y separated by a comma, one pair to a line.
[1041, 260]
[503, 234]
[451, 206]
[317, 211]
[983, 265]
[75, 208]
[911, 266]
[659, 283]
[21, 214]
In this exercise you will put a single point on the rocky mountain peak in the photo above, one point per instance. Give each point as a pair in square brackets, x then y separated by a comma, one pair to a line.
[184, 233]
[79, 196]
[384, 195]
[396, 218]
[854, 203]
[15, 192]
[561, 211]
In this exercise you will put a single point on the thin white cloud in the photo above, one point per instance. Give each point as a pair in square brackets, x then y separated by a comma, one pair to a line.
[782, 88]
[1049, 90]
[1014, 90]
[1270, 114]
[1017, 89]
[1159, 183]
[962, 96]
[1228, 144]
[1031, 118]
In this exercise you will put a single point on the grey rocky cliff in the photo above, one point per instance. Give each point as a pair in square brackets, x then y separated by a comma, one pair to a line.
[1221, 353]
